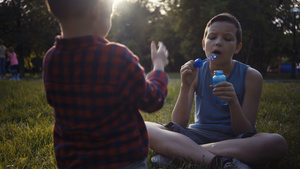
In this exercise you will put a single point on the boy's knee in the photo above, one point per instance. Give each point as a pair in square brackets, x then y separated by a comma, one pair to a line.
[276, 142]
[153, 129]
[281, 144]
[154, 126]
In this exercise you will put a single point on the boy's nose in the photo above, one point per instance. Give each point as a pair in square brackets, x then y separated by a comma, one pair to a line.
[218, 42]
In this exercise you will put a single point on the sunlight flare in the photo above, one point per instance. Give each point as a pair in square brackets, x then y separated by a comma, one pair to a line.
[118, 1]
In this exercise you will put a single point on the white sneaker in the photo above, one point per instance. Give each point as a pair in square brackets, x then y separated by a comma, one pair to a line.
[236, 164]
[161, 160]
[168, 162]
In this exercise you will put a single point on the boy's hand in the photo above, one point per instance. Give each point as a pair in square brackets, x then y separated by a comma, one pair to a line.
[225, 91]
[188, 73]
[159, 56]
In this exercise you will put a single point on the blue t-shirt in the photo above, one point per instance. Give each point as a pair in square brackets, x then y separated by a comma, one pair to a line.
[208, 115]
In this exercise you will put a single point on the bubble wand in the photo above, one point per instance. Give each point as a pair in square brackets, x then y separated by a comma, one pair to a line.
[199, 63]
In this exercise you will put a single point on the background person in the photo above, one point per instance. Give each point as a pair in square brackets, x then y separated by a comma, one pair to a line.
[13, 64]
[2, 60]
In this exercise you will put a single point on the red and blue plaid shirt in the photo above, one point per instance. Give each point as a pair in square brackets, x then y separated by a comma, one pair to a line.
[97, 88]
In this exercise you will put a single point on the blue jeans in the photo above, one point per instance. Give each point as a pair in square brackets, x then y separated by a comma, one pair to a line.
[2, 66]
[14, 70]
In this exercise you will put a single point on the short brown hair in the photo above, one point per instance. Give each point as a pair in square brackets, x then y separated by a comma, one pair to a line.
[69, 9]
[226, 17]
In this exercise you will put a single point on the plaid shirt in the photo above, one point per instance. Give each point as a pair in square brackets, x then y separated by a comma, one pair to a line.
[97, 88]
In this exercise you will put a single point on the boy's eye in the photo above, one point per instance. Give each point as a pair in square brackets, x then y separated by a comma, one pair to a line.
[228, 39]
[211, 37]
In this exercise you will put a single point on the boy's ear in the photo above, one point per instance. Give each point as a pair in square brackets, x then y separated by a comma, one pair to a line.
[238, 48]
[203, 44]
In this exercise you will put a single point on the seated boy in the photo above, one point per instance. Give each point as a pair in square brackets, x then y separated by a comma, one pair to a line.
[97, 88]
[223, 133]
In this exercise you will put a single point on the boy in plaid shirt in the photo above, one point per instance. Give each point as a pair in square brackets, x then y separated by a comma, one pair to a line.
[97, 89]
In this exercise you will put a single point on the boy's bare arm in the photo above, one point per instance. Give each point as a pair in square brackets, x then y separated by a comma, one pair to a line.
[243, 117]
[154, 93]
[253, 90]
[182, 109]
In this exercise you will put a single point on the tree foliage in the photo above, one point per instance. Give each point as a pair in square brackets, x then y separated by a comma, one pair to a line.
[131, 26]
[29, 28]
[267, 25]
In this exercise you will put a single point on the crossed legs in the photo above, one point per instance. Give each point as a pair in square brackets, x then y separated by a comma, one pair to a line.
[257, 149]
[172, 144]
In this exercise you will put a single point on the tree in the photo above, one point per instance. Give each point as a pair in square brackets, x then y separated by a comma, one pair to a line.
[163, 25]
[267, 25]
[29, 28]
[190, 20]
[263, 38]
[131, 25]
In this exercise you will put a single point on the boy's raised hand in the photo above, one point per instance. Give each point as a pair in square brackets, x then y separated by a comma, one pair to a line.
[188, 73]
[159, 56]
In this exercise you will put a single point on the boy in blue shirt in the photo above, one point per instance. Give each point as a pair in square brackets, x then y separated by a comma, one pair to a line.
[221, 135]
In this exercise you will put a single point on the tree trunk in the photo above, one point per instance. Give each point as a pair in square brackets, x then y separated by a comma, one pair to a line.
[19, 43]
[249, 50]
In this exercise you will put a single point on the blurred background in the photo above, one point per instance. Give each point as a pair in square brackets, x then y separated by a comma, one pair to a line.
[271, 34]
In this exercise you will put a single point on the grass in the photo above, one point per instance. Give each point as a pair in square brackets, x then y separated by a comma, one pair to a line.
[282, 76]
[26, 121]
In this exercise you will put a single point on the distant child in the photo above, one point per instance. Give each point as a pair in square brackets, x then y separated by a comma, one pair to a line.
[13, 64]
[97, 89]
[2, 60]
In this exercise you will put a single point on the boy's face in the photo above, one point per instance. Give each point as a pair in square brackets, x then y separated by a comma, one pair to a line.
[221, 40]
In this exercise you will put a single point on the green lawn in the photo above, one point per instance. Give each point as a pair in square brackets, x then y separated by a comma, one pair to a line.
[26, 121]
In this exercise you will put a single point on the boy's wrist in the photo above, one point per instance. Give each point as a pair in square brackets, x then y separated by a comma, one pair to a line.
[158, 69]
[158, 66]
[185, 87]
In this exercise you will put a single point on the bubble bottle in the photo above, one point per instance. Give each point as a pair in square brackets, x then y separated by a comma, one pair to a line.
[217, 78]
